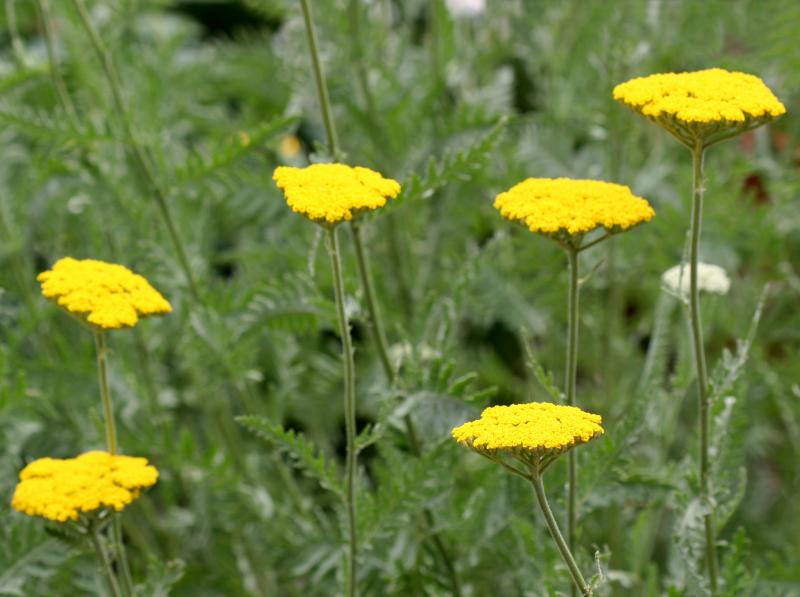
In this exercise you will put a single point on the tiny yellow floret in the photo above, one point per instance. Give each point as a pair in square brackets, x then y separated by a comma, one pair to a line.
[331, 193]
[538, 428]
[105, 295]
[63, 489]
[696, 106]
[559, 207]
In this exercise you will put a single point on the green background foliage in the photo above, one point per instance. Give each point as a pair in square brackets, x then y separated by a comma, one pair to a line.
[457, 110]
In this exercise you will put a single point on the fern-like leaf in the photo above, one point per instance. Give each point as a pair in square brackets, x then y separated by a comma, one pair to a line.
[451, 167]
[305, 456]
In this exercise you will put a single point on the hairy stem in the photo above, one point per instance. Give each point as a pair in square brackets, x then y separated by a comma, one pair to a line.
[105, 394]
[138, 151]
[700, 358]
[105, 563]
[566, 552]
[113, 448]
[569, 384]
[322, 87]
[332, 244]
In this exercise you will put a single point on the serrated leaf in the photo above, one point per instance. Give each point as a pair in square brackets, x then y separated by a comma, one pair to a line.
[452, 167]
[731, 365]
[544, 377]
[39, 561]
[305, 456]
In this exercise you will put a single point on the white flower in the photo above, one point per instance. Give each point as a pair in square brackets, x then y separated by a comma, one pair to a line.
[710, 278]
[466, 8]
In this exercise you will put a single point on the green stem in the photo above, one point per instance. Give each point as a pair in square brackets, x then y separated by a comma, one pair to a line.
[332, 244]
[105, 564]
[566, 552]
[139, 153]
[569, 384]
[376, 322]
[112, 447]
[322, 87]
[700, 358]
[105, 394]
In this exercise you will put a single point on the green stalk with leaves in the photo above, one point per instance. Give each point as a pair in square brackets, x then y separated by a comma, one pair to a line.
[701, 109]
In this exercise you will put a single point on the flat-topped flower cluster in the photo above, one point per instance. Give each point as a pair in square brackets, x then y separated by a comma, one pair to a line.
[551, 206]
[63, 489]
[705, 96]
[540, 427]
[104, 295]
[331, 193]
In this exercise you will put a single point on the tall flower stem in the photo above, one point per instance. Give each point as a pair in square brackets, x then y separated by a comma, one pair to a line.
[332, 245]
[376, 322]
[112, 447]
[105, 394]
[138, 151]
[566, 552]
[322, 87]
[700, 358]
[569, 384]
[105, 563]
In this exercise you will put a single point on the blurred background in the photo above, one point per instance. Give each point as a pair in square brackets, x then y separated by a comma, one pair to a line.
[458, 101]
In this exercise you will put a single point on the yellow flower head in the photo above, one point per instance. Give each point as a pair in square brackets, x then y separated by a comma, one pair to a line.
[702, 106]
[562, 207]
[535, 429]
[330, 193]
[63, 489]
[105, 295]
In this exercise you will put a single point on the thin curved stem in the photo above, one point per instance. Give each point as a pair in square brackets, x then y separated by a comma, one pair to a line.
[566, 552]
[596, 241]
[332, 245]
[700, 359]
[570, 385]
[375, 320]
[138, 151]
[105, 563]
[322, 87]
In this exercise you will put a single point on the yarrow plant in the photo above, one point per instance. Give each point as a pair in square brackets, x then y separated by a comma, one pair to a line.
[328, 194]
[84, 493]
[700, 109]
[533, 436]
[102, 296]
[566, 210]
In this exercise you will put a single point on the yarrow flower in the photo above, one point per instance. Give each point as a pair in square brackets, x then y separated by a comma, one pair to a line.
[330, 193]
[536, 430]
[703, 106]
[562, 207]
[64, 489]
[710, 278]
[104, 295]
